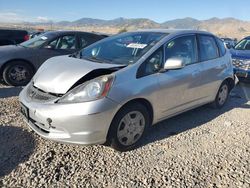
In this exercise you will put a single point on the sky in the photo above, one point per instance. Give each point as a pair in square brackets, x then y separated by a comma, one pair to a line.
[157, 10]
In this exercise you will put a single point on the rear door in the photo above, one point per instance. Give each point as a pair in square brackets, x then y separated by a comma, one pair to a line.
[212, 66]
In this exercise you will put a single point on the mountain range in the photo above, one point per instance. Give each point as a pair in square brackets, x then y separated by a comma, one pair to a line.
[226, 27]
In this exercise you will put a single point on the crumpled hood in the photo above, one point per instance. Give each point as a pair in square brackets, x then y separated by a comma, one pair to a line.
[59, 74]
[240, 54]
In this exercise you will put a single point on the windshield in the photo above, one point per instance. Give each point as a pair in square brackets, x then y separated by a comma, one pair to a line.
[36, 42]
[243, 45]
[124, 48]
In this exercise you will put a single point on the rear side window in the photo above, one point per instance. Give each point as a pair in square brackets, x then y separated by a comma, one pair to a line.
[221, 46]
[88, 39]
[208, 48]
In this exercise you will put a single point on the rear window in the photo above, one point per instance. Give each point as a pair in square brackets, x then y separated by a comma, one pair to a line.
[208, 48]
[37, 41]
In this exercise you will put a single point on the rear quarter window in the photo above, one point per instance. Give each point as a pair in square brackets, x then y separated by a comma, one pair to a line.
[221, 46]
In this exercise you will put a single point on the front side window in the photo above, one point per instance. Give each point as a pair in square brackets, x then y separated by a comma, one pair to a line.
[183, 47]
[67, 42]
[243, 45]
[124, 48]
[208, 48]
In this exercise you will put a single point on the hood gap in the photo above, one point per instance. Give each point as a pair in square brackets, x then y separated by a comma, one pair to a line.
[94, 74]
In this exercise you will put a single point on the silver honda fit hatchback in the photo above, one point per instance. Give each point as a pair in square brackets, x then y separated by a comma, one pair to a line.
[115, 89]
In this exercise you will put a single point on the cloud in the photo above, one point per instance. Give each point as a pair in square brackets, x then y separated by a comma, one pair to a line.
[17, 16]
[11, 17]
[42, 19]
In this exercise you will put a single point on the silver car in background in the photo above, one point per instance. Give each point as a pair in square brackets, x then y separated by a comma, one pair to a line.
[114, 90]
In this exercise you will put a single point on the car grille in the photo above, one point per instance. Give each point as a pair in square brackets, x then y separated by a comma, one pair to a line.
[36, 124]
[241, 64]
[39, 95]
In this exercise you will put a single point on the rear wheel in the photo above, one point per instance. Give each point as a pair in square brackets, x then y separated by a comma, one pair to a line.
[17, 73]
[128, 127]
[222, 95]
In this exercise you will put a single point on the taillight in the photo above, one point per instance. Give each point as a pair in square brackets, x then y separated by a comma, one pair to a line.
[26, 37]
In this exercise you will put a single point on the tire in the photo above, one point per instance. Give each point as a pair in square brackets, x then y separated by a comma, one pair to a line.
[127, 136]
[222, 95]
[17, 73]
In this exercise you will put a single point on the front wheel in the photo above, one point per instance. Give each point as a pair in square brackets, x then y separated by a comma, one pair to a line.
[221, 96]
[129, 126]
[17, 73]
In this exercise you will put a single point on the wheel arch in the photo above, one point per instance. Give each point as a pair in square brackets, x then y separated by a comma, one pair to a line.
[142, 101]
[12, 60]
[230, 82]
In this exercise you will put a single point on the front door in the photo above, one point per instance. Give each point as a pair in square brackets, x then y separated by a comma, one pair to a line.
[180, 89]
[63, 45]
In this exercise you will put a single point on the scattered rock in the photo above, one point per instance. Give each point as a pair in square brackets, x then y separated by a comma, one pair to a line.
[210, 148]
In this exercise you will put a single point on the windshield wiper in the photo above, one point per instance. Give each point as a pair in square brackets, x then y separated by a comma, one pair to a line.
[98, 60]
[77, 54]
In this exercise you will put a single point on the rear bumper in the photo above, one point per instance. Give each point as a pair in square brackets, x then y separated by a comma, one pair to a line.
[243, 75]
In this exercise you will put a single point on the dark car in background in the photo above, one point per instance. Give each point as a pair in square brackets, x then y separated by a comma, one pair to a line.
[18, 63]
[12, 36]
[241, 59]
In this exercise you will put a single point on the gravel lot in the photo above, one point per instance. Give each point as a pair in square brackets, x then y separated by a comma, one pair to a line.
[201, 148]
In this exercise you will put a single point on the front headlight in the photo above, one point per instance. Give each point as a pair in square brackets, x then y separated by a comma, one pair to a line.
[89, 91]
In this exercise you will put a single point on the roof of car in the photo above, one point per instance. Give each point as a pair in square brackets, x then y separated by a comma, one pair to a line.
[170, 31]
[226, 38]
[59, 32]
[13, 30]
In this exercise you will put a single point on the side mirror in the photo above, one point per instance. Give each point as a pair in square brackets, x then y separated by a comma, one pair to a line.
[174, 63]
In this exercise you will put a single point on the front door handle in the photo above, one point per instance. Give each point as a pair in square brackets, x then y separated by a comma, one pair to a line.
[195, 73]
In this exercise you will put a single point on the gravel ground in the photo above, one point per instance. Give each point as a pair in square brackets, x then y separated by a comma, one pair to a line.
[201, 148]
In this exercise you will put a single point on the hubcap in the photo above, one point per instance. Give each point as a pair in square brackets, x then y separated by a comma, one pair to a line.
[131, 128]
[223, 94]
[18, 73]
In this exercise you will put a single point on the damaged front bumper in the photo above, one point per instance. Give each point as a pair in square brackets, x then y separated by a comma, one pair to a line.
[80, 123]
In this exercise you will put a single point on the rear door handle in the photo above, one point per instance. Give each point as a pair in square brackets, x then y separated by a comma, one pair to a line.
[219, 67]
